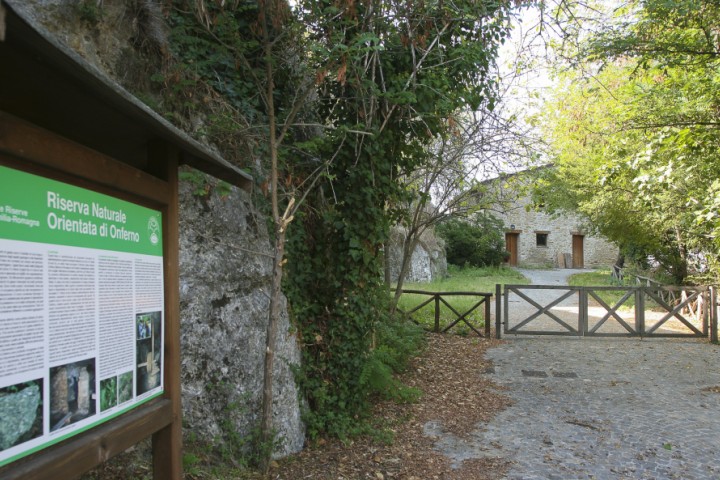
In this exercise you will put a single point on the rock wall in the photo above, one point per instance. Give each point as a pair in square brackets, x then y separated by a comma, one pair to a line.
[225, 276]
[428, 261]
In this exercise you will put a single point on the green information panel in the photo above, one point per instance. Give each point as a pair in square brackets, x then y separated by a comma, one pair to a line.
[37, 209]
[82, 309]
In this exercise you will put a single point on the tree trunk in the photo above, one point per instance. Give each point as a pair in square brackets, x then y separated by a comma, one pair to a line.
[386, 263]
[681, 269]
[266, 430]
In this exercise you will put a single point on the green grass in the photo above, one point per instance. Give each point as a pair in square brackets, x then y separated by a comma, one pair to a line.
[592, 279]
[602, 278]
[481, 280]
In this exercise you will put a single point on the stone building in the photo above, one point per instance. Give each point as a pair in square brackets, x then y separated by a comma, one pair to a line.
[535, 238]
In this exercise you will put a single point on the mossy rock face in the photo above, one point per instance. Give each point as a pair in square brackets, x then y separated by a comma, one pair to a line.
[18, 412]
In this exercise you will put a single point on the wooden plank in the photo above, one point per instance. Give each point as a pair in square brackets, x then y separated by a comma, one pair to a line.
[578, 253]
[425, 292]
[498, 311]
[74, 456]
[713, 315]
[487, 318]
[29, 142]
[511, 245]
[167, 443]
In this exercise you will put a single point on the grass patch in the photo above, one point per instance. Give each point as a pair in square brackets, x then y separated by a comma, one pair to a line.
[598, 278]
[480, 280]
[603, 278]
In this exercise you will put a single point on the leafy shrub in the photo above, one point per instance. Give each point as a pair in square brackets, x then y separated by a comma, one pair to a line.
[398, 342]
[108, 393]
[478, 244]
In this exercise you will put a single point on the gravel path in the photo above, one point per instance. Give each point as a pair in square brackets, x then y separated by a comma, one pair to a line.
[600, 408]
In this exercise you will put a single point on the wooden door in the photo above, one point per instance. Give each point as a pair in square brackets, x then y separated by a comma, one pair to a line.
[511, 245]
[578, 260]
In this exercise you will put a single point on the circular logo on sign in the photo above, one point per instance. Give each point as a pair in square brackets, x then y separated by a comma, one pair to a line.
[154, 230]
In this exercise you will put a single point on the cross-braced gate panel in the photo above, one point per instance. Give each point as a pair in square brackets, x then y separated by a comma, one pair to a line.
[601, 319]
[541, 310]
[609, 311]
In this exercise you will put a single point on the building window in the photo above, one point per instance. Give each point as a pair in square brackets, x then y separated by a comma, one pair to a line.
[541, 239]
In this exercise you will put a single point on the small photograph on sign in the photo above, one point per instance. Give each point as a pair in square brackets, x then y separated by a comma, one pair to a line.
[72, 393]
[21, 413]
[149, 354]
[143, 322]
[125, 387]
[108, 393]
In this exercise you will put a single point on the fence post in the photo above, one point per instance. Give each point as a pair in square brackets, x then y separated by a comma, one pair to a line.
[640, 311]
[437, 313]
[713, 315]
[487, 316]
[498, 310]
[583, 313]
[703, 307]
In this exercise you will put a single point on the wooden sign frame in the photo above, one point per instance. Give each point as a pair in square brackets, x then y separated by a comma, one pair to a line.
[28, 148]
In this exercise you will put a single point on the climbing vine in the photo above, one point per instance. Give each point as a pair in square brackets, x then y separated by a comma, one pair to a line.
[391, 75]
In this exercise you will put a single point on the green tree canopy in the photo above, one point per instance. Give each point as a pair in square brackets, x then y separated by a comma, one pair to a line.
[635, 129]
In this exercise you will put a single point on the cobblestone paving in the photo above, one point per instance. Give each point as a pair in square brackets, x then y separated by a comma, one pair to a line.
[607, 409]
[601, 408]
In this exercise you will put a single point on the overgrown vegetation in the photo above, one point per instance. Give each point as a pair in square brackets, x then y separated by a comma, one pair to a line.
[476, 243]
[633, 124]
[330, 104]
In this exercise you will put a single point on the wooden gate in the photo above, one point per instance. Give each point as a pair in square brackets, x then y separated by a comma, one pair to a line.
[436, 298]
[608, 311]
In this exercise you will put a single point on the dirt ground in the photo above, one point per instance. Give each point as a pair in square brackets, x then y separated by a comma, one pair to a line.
[455, 394]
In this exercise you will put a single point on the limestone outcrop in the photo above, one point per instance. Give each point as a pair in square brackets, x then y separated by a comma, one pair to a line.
[225, 275]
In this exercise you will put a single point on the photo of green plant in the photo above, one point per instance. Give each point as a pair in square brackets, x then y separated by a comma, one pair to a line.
[143, 324]
[125, 387]
[108, 393]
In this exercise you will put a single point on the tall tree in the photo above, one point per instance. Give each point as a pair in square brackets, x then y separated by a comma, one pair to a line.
[449, 183]
[344, 97]
[637, 125]
[396, 72]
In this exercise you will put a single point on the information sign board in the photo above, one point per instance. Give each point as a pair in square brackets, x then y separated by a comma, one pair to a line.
[81, 310]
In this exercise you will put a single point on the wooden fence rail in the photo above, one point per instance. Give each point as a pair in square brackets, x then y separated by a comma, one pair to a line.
[436, 298]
